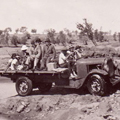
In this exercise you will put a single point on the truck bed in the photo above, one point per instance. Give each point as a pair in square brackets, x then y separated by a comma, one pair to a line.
[57, 70]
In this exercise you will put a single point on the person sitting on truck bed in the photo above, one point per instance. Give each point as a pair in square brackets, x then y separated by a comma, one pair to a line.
[24, 58]
[71, 50]
[35, 53]
[13, 63]
[48, 55]
[64, 61]
[78, 52]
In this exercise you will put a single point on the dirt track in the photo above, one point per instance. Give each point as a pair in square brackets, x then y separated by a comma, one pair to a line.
[58, 104]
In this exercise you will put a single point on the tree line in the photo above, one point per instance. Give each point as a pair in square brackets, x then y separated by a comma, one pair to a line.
[83, 33]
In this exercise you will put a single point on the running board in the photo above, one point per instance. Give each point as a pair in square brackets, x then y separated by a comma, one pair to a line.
[115, 80]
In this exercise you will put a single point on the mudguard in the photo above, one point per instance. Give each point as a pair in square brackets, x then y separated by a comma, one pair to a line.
[94, 71]
[99, 71]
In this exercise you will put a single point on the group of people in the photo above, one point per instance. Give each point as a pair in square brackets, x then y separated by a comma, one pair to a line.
[37, 56]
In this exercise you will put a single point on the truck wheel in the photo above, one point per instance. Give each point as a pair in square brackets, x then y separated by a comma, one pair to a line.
[23, 86]
[96, 85]
[44, 87]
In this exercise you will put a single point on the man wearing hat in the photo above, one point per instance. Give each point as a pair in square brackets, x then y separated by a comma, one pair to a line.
[78, 52]
[24, 54]
[48, 54]
[35, 52]
[64, 61]
[24, 57]
[63, 58]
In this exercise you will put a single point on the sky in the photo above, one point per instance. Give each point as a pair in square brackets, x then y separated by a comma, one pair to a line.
[59, 14]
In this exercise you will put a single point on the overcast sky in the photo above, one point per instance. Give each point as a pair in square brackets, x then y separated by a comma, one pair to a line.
[59, 14]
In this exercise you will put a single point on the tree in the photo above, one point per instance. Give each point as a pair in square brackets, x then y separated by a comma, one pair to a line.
[101, 36]
[51, 35]
[115, 36]
[34, 31]
[68, 35]
[96, 34]
[119, 36]
[62, 38]
[6, 35]
[1, 31]
[23, 29]
[14, 40]
[86, 29]
[17, 30]
[7, 30]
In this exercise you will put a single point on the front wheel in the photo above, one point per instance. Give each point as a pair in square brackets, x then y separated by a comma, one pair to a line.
[96, 84]
[23, 86]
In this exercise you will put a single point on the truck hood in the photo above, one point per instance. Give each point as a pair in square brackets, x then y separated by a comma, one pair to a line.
[91, 61]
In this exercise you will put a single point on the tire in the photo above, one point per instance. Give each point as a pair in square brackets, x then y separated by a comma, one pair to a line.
[23, 86]
[96, 85]
[44, 87]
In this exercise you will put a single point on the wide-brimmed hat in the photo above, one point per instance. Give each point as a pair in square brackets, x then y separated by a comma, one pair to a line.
[71, 47]
[24, 47]
[64, 49]
[47, 40]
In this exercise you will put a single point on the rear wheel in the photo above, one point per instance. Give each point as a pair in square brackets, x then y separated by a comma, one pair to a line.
[44, 87]
[23, 86]
[96, 85]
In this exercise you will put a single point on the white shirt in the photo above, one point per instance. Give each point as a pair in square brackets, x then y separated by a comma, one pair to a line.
[13, 62]
[62, 58]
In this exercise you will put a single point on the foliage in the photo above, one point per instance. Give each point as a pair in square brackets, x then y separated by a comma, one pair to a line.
[6, 38]
[2, 39]
[14, 40]
[28, 36]
[86, 29]
[96, 34]
[8, 29]
[34, 30]
[23, 39]
[20, 39]
[51, 35]
[23, 29]
[62, 38]
[69, 36]
[1, 31]
[100, 36]
[17, 30]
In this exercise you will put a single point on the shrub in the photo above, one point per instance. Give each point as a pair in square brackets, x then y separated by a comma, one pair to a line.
[14, 40]
[23, 40]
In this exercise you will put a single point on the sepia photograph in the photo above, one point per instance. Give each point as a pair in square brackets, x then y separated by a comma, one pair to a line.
[59, 60]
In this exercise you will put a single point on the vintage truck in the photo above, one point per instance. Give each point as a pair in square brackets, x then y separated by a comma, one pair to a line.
[90, 74]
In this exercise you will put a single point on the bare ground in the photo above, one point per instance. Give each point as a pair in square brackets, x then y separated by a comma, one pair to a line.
[61, 104]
